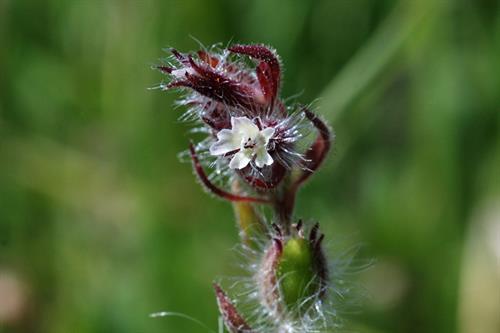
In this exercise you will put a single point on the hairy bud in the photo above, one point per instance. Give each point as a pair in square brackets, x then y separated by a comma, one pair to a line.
[293, 273]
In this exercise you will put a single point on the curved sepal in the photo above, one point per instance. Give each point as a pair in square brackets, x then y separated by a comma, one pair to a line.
[319, 149]
[268, 70]
[232, 319]
[214, 189]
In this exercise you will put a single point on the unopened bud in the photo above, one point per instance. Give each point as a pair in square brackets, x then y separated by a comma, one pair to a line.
[293, 273]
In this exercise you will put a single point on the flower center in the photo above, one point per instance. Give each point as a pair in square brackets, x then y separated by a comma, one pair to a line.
[250, 144]
[248, 140]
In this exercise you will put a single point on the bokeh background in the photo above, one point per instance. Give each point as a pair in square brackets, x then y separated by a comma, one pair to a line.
[101, 225]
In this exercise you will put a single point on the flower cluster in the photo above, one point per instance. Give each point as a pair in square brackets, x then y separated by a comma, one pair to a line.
[262, 148]
[251, 131]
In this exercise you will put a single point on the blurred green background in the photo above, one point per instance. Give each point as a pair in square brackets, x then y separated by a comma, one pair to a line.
[101, 225]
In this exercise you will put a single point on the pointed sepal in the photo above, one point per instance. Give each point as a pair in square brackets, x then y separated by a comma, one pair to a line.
[232, 319]
[319, 149]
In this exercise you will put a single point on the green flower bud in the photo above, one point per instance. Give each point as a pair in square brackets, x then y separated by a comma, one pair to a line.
[293, 273]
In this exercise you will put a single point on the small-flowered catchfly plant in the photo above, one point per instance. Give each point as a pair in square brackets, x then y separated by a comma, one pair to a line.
[257, 153]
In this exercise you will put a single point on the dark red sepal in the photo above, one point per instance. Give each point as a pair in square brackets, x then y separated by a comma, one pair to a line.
[216, 116]
[217, 86]
[232, 319]
[318, 150]
[269, 76]
[313, 233]
[267, 84]
[208, 59]
[269, 176]
[164, 69]
[179, 56]
[320, 262]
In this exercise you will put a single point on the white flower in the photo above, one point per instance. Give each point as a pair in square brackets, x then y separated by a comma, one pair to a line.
[247, 139]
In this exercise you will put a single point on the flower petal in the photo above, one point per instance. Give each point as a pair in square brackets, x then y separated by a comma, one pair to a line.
[222, 147]
[262, 158]
[267, 133]
[240, 160]
[244, 127]
[227, 142]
